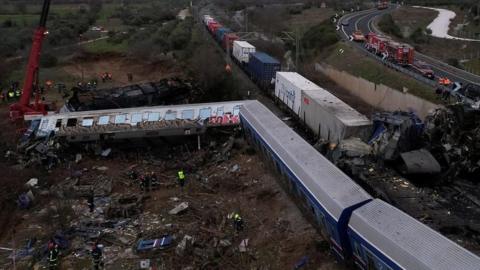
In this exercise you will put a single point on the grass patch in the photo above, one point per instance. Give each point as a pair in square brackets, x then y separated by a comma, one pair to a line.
[473, 66]
[360, 65]
[103, 46]
[20, 20]
[309, 18]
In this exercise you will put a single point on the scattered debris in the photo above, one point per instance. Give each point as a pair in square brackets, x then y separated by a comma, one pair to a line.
[184, 245]
[453, 137]
[106, 152]
[33, 182]
[394, 133]
[159, 243]
[420, 162]
[78, 158]
[179, 208]
[243, 245]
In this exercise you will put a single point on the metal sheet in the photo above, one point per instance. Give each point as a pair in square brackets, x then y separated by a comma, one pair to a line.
[419, 162]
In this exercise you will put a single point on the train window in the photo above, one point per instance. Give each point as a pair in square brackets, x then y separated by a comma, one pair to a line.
[370, 262]
[323, 223]
[205, 113]
[71, 122]
[356, 249]
[59, 123]
[87, 122]
[44, 124]
[136, 118]
[188, 114]
[171, 115]
[120, 119]
[236, 110]
[154, 116]
[374, 263]
[103, 120]
[220, 111]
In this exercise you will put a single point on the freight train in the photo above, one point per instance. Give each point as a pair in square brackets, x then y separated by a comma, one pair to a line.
[260, 66]
[399, 53]
[361, 230]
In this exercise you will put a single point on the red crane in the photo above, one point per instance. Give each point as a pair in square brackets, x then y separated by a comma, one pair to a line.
[31, 83]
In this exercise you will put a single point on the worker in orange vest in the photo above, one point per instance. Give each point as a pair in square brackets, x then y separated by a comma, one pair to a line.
[228, 68]
[444, 81]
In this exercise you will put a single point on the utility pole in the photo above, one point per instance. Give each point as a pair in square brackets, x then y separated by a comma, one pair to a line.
[295, 36]
[246, 19]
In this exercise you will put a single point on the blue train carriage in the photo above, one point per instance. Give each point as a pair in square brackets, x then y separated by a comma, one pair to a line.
[385, 238]
[262, 69]
[323, 190]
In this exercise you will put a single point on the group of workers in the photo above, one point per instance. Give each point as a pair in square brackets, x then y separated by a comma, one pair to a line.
[54, 252]
[12, 93]
[106, 76]
[148, 181]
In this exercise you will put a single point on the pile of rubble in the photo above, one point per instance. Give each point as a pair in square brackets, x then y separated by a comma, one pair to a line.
[428, 169]
[453, 137]
[165, 226]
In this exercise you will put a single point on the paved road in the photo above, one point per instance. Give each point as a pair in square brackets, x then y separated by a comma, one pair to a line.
[364, 21]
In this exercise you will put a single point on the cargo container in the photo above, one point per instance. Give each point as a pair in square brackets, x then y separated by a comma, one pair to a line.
[220, 33]
[289, 87]
[262, 68]
[228, 40]
[332, 119]
[242, 51]
[207, 19]
[213, 26]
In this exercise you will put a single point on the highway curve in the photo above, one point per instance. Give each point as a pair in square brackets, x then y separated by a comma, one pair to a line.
[364, 21]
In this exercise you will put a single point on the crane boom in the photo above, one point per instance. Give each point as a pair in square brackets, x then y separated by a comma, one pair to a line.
[31, 83]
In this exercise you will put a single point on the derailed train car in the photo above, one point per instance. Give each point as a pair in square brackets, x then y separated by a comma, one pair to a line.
[326, 115]
[363, 231]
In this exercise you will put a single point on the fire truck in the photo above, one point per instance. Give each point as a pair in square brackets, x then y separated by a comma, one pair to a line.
[392, 51]
[376, 43]
[382, 4]
[400, 53]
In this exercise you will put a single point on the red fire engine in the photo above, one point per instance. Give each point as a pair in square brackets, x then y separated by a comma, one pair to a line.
[376, 43]
[399, 53]
[402, 54]
[382, 4]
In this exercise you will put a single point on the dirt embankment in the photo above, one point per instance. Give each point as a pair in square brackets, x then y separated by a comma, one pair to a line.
[119, 66]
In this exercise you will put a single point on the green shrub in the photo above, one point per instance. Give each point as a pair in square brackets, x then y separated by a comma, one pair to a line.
[320, 36]
[387, 25]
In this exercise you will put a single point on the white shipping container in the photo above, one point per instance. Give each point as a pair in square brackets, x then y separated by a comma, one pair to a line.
[207, 19]
[331, 118]
[242, 50]
[289, 87]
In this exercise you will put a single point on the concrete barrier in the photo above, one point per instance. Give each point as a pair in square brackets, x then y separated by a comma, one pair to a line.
[378, 96]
